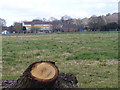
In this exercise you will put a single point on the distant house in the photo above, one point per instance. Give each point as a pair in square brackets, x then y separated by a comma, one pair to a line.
[57, 26]
[70, 27]
[43, 27]
[38, 26]
[28, 25]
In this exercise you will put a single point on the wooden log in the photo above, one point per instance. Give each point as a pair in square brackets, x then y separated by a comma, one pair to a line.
[44, 75]
[41, 74]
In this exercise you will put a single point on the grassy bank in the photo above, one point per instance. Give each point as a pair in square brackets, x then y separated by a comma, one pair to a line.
[91, 56]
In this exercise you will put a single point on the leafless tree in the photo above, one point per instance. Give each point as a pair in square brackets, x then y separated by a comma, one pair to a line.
[96, 22]
[18, 27]
[52, 19]
[2, 22]
[66, 19]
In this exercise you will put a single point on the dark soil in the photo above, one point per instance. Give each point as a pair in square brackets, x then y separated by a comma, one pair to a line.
[63, 81]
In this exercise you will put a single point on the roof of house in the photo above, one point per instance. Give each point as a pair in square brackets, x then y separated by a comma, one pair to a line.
[41, 23]
[35, 22]
[27, 22]
[53, 23]
[57, 23]
[70, 25]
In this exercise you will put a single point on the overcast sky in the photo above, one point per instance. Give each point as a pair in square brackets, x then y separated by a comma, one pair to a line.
[20, 10]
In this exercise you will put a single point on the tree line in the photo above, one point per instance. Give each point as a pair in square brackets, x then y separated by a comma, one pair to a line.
[106, 22]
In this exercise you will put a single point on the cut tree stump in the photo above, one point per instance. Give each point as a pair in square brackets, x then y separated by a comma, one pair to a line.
[42, 74]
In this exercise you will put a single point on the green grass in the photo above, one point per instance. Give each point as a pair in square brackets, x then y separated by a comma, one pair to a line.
[91, 56]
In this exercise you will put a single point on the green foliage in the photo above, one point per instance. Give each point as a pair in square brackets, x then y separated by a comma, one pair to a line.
[110, 26]
[91, 56]
[7, 59]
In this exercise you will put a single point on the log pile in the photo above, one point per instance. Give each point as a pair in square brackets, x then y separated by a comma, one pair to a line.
[44, 75]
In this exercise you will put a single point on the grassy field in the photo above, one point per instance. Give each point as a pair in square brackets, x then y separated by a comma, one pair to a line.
[91, 56]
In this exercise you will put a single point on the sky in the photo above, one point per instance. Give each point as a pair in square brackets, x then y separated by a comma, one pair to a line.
[21, 10]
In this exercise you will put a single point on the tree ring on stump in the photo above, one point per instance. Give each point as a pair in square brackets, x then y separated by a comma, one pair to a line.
[44, 72]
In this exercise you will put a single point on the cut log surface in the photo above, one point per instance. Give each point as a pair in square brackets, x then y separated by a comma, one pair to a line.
[44, 72]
